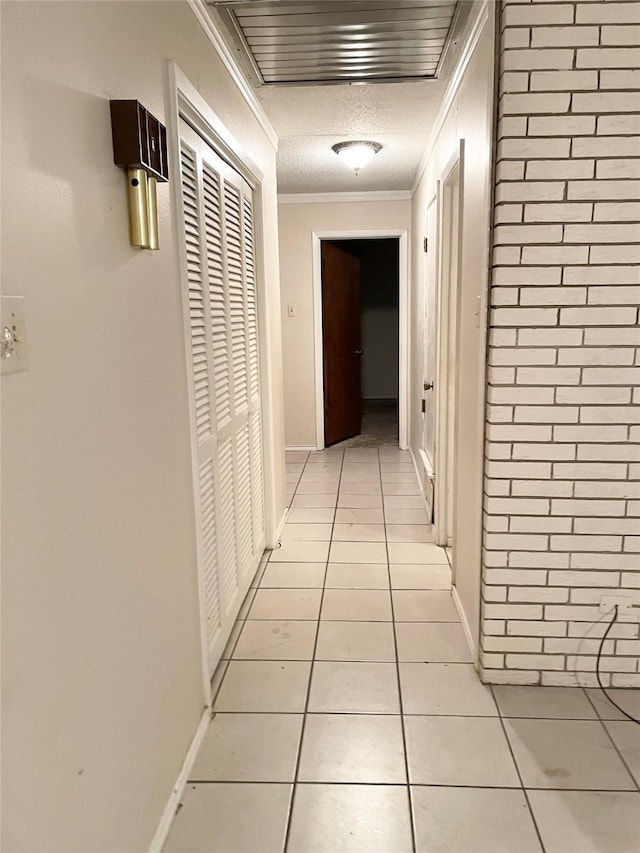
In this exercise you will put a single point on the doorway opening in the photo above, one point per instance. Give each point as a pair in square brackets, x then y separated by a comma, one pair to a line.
[360, 291]
[450, 251]
[440, 405]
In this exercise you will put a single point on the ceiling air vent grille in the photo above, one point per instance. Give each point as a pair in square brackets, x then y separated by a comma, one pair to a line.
[319, 42]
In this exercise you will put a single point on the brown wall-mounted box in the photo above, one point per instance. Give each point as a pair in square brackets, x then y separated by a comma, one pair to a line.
[139, 140]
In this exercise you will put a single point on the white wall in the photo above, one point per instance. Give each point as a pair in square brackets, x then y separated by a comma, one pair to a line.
[297, 222]
[102, 687]
[469, 118]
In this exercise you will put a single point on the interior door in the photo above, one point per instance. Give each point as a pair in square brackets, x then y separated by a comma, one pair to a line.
[430, 335]
[451, 234]
[447, 352]
[222, 348]
[342, 343]
[427, 454]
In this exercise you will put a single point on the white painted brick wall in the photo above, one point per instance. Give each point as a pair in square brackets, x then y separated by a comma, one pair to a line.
[562, 497]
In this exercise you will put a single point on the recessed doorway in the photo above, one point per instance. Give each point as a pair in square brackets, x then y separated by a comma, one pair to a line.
[442, 309]
[360, 346]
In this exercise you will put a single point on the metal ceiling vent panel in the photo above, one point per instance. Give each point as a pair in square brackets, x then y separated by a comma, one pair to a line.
[315, 42]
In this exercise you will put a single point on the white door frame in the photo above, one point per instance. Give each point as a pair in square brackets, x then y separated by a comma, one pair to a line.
[184, 101]
[448, 300]
[402, 235]
[430, 257]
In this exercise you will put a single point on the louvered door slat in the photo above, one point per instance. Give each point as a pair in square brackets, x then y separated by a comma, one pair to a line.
[227, 521]
[252, 307]
[197, 320]
[210, 552]
[237, 315]
[244, 499]
[255, 426]
[216, 285]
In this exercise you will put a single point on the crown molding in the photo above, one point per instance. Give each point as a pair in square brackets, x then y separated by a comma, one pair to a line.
[327, 198]
[452, 88]
[199, 9]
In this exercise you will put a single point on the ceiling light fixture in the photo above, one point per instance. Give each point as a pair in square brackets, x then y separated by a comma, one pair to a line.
[357, 153]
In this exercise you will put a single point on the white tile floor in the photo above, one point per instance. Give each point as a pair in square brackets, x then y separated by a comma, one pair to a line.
[349, 718]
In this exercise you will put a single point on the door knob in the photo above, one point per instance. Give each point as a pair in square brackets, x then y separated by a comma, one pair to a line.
[428, 386]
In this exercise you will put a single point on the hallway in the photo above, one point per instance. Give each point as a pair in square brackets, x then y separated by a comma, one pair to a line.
[163, 347]
[348, 716]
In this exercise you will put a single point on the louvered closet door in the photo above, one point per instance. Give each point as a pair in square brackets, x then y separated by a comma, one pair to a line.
[225, 388]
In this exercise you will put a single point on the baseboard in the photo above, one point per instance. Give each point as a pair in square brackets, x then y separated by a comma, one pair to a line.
[417, 472]
[280, 529]
[178, 789]
[270, 545]
[465, 625]
[305, 448]
[426, 478]
[428, 468]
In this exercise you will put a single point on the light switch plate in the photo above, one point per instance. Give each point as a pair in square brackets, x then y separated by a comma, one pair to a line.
[13, 345]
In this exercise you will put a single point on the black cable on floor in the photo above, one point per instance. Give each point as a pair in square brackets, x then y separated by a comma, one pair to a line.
[604, 637]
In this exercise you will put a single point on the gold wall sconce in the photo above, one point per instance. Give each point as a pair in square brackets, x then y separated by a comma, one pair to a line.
[140, 147]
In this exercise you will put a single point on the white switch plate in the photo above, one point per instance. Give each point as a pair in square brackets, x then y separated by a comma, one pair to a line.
[12, 318]
[291, 310]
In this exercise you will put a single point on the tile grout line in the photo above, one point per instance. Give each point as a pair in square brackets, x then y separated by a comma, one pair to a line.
[430, 715]
[360, 589]
[304, 465]
[311, 669]
[297, 483]
[412, 822]
[356, 588]
[262, 567]
[241, 621]
[304, 713]
[611, 738]
[225, 662]
[369, 660]
[416, 785]
[515, 764]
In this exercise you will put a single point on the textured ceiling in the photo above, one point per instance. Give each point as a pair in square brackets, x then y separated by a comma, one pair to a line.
[309, 119]
[307, 164]
[362, 109]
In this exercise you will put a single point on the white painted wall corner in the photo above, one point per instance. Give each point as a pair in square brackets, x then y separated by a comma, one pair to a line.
[473, 646]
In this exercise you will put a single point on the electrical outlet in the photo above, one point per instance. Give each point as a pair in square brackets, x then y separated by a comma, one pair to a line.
[609, 600]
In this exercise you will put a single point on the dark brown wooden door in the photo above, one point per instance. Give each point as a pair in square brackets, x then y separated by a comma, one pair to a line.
[341, 343]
